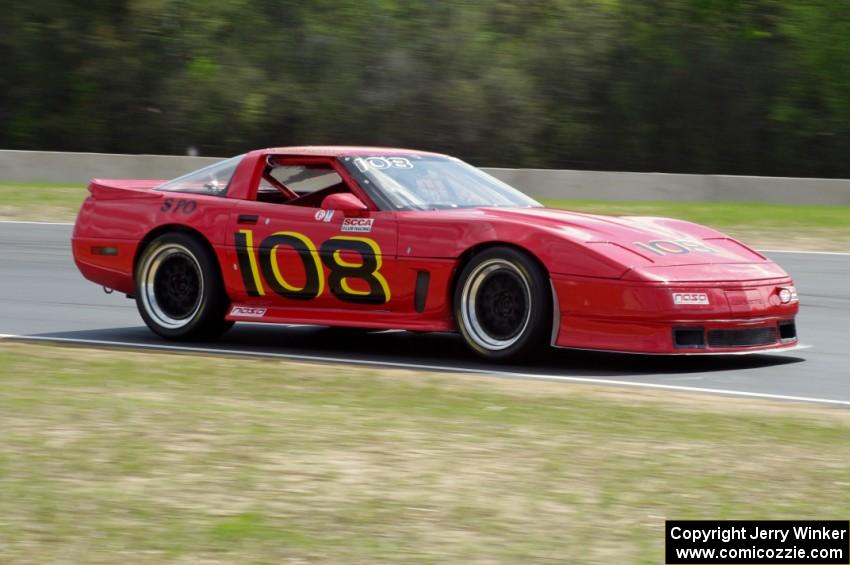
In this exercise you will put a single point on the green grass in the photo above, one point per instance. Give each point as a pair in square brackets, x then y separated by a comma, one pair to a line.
[764, 225]
[40, 202]
[110, 456]
[722, 214]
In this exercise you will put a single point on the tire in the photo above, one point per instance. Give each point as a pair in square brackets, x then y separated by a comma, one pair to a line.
[503, 304]
[179, 291]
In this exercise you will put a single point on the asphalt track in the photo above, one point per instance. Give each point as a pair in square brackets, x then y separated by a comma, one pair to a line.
[43, 297]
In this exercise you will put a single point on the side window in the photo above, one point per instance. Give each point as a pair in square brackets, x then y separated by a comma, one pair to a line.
[212, 179]
[299, 185]
[305, 180]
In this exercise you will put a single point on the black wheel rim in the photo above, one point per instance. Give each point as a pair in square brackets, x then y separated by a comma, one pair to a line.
[176, 287]
[171, 286]
[501, 305]
[495, 304]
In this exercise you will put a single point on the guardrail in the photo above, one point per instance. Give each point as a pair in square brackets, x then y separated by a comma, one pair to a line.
[59, 167]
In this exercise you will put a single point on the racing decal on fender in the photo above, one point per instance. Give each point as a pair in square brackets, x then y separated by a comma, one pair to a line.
[183, 205]
[248, 312]
[260, 267]
[357, 224]
[690, 299]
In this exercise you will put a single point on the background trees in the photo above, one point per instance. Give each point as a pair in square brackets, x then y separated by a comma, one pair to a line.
[709, 86]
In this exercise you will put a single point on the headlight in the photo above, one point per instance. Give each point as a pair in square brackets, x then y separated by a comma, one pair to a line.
[787, 294]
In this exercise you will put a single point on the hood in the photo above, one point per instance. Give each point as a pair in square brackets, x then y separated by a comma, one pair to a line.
[639, 241]
[588, 245]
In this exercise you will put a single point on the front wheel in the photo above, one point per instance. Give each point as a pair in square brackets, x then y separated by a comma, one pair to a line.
[179, 291]
[503, 304]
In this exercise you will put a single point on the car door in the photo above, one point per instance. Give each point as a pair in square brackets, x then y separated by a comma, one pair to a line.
[312, 261]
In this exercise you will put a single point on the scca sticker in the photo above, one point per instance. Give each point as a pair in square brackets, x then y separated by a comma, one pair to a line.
[259, 266]
[357, 224]
[677, 247]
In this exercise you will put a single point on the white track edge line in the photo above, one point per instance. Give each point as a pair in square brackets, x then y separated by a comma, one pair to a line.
[449, 368]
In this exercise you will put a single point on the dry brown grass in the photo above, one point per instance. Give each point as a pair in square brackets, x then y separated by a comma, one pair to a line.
[113, 456]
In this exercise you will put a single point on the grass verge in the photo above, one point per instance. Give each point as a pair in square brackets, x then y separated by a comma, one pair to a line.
[110, 455]
[40, 202]
[778, 226]
[768, 226]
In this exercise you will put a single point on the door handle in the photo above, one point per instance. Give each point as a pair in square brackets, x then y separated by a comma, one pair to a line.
[247, 219]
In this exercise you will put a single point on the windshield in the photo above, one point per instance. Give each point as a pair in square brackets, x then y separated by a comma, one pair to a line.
[431, 182]
[212, 179]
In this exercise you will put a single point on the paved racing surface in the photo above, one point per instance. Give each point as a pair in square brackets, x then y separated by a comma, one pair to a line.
[43, 296]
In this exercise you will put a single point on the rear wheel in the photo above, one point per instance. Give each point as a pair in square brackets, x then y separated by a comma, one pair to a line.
[179, 291]
[503, 304]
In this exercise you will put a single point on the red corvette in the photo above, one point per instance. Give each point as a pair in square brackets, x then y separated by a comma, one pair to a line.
[391, 238]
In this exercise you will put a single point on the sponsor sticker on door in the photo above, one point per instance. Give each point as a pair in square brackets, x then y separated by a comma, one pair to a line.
[357, 224]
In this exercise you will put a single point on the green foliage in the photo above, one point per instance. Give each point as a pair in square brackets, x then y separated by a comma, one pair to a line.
[712, 86]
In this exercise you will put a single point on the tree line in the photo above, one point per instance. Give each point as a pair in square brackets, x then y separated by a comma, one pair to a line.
[703, 86]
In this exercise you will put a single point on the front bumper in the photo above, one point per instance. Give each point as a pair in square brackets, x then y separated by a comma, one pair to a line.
[636, 317]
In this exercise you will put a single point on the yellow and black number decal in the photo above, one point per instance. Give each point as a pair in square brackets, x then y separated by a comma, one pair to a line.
[368, 270]
[248, 263]
[257, 268]
[314, 281]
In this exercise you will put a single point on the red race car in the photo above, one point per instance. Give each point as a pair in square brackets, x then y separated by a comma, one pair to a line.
[393, 238]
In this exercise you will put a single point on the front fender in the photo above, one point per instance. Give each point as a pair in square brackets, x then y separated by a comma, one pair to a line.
[441, 236]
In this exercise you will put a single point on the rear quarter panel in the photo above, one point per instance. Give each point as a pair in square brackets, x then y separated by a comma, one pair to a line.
[124, 224]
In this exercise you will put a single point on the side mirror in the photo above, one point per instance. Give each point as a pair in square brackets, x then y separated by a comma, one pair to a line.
[345, 202]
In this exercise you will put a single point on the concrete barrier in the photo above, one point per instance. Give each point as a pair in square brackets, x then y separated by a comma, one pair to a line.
[56, 167]
[599, 185]
[59, 167]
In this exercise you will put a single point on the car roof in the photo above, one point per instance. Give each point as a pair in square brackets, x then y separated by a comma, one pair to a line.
[344, 150]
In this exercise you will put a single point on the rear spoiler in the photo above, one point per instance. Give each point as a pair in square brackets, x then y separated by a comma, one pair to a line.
[122, 189]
